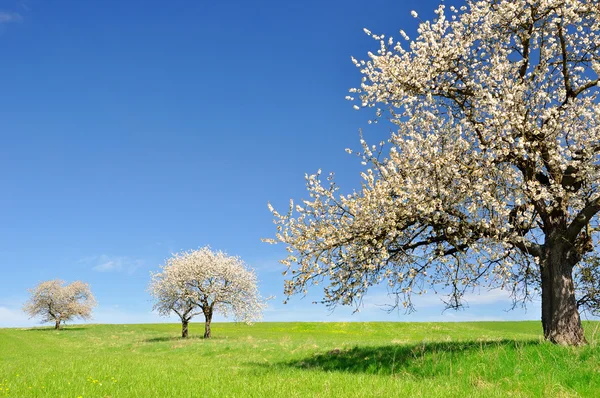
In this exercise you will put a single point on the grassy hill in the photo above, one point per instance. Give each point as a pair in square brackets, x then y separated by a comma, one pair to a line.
[478, 359]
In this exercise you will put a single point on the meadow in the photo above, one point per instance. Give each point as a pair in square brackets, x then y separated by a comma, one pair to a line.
[476, 359]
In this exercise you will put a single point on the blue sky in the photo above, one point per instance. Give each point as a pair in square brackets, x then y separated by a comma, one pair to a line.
[134, 129]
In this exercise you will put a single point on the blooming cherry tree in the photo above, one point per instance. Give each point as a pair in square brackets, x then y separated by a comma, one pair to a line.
[492, 174]
[204, 282]
[52, 301]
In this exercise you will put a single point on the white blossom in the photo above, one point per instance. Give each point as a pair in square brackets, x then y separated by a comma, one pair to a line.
[492, 176]
[52, 301]
[204, 282]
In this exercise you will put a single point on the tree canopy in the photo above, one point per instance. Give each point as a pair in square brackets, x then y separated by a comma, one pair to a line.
[206, 282]
[491, 177]
[53, 301]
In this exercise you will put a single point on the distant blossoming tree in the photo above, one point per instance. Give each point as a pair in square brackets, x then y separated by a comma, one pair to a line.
[204, 282]
[52, 301]
[492, 176]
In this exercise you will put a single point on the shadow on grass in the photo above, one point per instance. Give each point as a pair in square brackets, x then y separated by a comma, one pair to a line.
[419, 360]
[179, 338]
[51, 329]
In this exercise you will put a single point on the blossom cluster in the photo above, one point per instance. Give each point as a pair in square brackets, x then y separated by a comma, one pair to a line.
[204, 281]
[495, 154]
[52, 301]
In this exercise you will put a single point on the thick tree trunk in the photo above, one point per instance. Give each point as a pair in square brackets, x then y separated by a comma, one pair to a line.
[208, 317]
[560, 316]
[57, 324]
[184, 328]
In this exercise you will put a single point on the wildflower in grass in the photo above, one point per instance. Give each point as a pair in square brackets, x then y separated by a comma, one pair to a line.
[91, 380]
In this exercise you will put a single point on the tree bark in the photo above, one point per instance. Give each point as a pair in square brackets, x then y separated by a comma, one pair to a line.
[57, 324]
[208, 317]
[560, 315]
[184, 328]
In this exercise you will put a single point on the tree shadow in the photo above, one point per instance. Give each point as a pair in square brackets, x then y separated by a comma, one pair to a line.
[179, 338]
[420, 360]
[51, 329]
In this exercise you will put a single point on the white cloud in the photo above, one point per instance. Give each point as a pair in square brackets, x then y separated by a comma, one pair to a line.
[12, 317]
[490, 305]
[8, 17]
[485, 297]
[495, 296]
[117, 315]
[266, 267]
[105, 263]
[488, 297]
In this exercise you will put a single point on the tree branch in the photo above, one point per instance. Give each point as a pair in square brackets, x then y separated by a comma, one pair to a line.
[582, 219]
[528, 247]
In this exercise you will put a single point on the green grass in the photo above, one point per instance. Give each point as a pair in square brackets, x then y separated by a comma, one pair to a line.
[478, 359]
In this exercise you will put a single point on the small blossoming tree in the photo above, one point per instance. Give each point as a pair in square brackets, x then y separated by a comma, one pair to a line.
[493, 174]
[55, 302]
[205, 282]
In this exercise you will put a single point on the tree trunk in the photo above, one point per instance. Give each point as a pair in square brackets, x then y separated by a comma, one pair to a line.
[57, 324]
[208, 317]
[184, 328]
[560, 316]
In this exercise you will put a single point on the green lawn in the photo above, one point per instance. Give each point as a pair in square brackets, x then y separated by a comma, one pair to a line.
[479, 359]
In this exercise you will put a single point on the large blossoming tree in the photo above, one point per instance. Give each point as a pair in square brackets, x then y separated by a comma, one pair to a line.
[205, 282]
[53, 301]
[491, 176]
